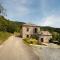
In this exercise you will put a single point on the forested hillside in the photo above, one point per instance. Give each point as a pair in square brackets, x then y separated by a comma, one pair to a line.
[50, 29]
[9, 26]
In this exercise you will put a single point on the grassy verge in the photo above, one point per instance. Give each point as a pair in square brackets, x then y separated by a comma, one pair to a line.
[4, 36]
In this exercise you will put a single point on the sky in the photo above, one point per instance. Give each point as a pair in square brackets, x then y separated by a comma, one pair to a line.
[39, 12]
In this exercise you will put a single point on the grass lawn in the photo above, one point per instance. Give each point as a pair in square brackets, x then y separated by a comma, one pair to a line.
[4, 36]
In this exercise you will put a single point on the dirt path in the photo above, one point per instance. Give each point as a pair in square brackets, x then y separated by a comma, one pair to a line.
[15, 49]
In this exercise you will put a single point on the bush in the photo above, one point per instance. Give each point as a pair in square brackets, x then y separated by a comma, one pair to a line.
[34, 37]
[33, 41]
[30, 41]
[27, 40]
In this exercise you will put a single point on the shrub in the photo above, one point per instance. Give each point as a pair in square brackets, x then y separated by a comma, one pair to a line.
[27, 40]
[30, 41]
[34, 37]
[33, 41]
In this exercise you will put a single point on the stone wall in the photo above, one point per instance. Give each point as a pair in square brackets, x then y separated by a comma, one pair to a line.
[30, 32]
[45, 38]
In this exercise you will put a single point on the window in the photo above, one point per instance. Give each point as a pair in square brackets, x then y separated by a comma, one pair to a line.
[35, 30]
[27, 36]
[27, 29]
[41, 39]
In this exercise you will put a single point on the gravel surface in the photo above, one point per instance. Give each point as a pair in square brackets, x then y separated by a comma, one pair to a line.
[15, 49]
[46, 53]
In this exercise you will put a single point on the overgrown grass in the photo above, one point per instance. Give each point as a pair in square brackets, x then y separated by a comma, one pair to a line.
[30, 41]
[4, 36]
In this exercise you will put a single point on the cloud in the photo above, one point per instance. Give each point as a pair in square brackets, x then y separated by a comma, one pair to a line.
[53, 21]
[25, 8]
[21, 11]
[17, 8]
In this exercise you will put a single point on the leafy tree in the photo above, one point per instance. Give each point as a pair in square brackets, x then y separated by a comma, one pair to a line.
[9, 26]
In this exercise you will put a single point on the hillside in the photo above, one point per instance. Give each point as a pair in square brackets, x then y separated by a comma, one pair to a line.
[9, 26]
[50, 29]
[14, 26]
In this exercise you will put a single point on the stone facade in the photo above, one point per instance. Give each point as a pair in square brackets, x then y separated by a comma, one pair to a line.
[29, 29]
[45, 36]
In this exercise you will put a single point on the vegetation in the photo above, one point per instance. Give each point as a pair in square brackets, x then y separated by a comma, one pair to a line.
[50, 29]
[4, 36]
[9, 26]
[34, 37]
[30, 41]
[3, 25]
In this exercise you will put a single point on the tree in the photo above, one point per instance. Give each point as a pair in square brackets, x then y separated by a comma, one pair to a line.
[2, 10]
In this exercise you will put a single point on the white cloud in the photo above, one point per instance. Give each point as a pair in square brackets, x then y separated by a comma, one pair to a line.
[21, 7]
[22, 11]
[53, 21]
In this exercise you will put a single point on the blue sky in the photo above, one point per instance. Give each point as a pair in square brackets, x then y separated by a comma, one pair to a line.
[39, 12]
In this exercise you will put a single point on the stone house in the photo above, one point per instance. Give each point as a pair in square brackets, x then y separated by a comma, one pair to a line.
[45, 36]
[29, 30]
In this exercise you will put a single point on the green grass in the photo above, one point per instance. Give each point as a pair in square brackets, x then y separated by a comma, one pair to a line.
[4, 36]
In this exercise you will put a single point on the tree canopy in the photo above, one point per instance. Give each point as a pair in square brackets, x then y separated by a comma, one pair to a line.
[9, 26]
